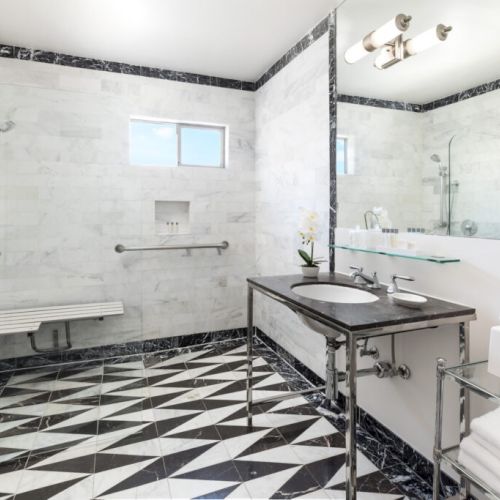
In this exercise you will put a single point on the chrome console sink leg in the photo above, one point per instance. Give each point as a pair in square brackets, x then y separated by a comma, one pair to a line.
[249, 354]
[351, 413]
[332, 380]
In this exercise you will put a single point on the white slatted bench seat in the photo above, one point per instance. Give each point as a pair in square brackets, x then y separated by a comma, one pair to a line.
[30, 320]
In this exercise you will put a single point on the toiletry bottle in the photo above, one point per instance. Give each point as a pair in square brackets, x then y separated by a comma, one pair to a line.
[394, 238]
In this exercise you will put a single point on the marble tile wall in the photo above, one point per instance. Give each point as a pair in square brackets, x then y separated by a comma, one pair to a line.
[384, 164]
[390, 154]
[292, 173]
[475, 156]
[68, 196]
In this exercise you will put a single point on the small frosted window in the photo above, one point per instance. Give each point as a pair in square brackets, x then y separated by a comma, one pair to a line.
[168, 144]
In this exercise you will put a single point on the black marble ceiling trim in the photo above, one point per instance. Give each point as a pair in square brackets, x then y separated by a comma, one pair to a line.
[422, 108]
[464, 95]
[317, 32]
[25, 54]
[380, 103]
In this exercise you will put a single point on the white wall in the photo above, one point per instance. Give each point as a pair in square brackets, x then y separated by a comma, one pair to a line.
[292, 169]
[407, 407]
[68, 195]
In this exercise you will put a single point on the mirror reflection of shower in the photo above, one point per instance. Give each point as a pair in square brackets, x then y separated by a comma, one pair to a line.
[446, 194]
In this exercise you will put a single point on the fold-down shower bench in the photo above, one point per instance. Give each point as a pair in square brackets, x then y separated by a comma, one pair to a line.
[29, 321]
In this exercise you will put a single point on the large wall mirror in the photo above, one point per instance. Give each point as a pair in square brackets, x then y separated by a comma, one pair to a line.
[419, 140]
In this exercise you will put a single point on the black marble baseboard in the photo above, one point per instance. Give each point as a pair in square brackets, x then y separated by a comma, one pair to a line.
[123, 349]
[382, 446]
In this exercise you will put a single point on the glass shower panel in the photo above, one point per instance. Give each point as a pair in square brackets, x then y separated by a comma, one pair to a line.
[474, 184]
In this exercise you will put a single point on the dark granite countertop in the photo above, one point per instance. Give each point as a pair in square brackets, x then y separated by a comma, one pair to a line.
[358, 317]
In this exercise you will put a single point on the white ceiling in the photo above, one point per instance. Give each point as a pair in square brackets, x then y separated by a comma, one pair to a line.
[237, 39]
[470, 56]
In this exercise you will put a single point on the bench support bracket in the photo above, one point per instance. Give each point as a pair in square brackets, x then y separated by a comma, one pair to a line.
[67, 329]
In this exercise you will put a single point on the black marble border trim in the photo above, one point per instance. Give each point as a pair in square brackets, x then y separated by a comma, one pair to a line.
[463, 96]
[317, 32]
[381, 445]
[26, 54]
[422, 108]
[332, 99]
[128, 348]
[380, 103]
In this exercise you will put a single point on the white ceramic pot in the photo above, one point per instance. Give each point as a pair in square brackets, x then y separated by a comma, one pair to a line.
[310, 271]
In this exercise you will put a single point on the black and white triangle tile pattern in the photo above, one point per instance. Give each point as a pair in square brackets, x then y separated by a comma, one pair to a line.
[170, 425]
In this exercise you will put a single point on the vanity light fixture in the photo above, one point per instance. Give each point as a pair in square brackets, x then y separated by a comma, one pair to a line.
[389, 38]
[378, 38]
[426, 40]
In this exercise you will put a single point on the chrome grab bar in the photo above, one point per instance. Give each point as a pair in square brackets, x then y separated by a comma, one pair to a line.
[219, 246]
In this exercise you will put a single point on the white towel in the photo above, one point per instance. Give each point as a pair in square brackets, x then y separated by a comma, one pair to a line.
[481, 455]
[488, 427]
[484, 474]
[486, 444]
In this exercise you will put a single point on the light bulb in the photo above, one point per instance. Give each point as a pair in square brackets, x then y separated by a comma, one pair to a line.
[427, 39]
[376, 39]
[355, 53]
[390, 30]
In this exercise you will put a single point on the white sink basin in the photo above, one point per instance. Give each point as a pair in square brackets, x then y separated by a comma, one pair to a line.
[334, 293]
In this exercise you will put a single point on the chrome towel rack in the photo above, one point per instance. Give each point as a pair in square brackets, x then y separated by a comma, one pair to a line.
[219, 246]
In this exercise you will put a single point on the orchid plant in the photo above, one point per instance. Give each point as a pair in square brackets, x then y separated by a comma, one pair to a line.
[309, 235]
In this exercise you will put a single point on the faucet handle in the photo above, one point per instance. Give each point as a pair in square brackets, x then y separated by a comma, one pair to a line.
[356, 268]
[402, 277]
[376, 283]
[393, 288]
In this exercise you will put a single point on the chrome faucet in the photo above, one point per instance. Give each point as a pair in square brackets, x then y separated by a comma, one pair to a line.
[393, 287]
[363, 279]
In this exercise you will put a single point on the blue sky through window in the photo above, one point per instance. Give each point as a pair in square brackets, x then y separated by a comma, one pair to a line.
[201, 146]
[157, 144]
[153, 143]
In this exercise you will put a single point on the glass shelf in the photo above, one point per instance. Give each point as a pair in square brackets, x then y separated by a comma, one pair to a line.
[475, 376]
[425, 258]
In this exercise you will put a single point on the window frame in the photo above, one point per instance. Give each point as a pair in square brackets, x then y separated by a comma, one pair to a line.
[222, 143]
[223, 129]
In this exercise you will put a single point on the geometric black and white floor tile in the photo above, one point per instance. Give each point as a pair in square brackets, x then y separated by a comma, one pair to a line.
[169, 425]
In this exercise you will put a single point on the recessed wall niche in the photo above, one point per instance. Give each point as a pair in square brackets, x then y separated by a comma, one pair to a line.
[172, 217]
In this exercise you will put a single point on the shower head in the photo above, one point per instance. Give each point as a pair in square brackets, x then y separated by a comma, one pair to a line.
[436, 158]
[6, 126]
